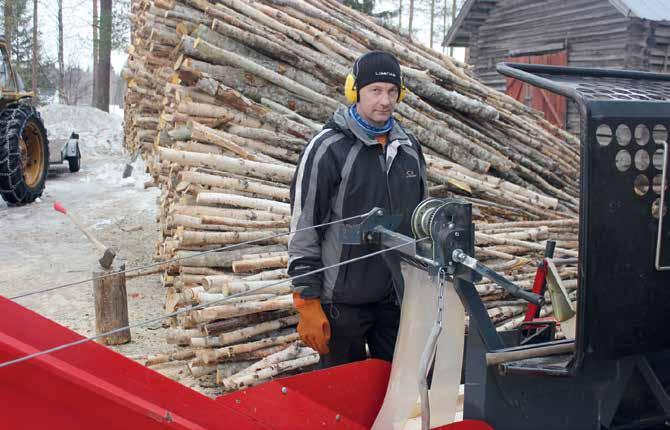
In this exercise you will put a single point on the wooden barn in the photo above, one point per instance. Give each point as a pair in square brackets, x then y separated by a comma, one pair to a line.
[624, 34]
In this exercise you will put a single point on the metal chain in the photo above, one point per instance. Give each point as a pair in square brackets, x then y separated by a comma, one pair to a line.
[173, 260]
[200, 306]
[441, 281]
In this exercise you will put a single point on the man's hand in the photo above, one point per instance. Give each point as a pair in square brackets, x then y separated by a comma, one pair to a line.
[314, 328]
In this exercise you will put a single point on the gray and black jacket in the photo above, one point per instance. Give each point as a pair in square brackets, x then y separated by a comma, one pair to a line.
[341, 173]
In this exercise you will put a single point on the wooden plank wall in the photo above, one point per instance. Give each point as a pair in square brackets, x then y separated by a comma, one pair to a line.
[659, 48]
[593, 31]
[640, 35]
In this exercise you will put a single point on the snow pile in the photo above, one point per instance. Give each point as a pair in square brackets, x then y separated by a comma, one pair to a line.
[101, 144]
[100, 133]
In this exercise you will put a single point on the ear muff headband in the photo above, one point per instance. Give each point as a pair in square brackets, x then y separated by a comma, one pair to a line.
[351, 92]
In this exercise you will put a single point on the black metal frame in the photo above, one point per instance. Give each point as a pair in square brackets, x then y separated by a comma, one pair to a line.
[615, 378]
[595, 109]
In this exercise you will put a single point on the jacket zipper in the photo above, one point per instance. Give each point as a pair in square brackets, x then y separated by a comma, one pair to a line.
[387, 169]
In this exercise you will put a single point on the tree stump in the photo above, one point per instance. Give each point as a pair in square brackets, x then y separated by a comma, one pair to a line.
[111, 307]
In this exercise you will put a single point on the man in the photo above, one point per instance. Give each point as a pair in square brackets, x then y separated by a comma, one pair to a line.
[360, 160]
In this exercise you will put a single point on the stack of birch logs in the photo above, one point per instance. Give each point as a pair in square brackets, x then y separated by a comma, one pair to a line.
[222, 98]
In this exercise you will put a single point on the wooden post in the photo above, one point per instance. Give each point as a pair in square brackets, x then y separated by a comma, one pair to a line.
[111, 307]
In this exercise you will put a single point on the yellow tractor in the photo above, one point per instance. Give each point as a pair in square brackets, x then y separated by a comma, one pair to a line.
[24, 148]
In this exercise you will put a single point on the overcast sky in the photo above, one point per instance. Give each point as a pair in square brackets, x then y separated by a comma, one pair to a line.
[421, 21]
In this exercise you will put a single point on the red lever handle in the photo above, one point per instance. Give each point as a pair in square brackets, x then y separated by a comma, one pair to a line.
[60, 208]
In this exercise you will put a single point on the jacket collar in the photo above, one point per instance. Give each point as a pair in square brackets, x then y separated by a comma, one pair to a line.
[346, 123]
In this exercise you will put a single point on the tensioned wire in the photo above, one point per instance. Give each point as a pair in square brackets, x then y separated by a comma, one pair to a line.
[173, 260]
[200, 306]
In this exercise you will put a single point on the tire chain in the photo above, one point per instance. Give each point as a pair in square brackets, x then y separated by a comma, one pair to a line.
[13, 119]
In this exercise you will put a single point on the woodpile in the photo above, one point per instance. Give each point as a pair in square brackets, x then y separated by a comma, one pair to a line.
[222, 97]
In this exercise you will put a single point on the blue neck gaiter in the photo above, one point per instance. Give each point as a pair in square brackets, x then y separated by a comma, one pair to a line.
[368, 128]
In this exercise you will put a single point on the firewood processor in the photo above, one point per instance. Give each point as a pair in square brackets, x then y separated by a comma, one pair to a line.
[611, 371]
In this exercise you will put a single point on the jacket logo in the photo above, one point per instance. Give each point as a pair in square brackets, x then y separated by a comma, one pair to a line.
[410, 174]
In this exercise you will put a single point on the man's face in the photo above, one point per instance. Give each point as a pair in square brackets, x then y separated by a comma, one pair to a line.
[376, 102]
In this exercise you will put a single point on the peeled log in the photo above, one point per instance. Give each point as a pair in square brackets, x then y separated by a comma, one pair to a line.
[227, 286]
[255, 169]
[224, 258]
[213, 356]
[245, 185]
[288, 353]
[260, 264]
[242, 214]
[177, 336]
[254, 330]
[206, 134]
[187, 238]
[253, 378]
[268, 275]
[238, 309]
[232, 222]
[164, 358]
[274, 287]
[244, 202]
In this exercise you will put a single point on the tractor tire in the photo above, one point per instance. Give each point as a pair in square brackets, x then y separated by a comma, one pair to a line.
[74, 163]
[24, 154]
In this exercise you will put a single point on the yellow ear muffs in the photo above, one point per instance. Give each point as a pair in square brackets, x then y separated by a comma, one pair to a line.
[403, 90]
[350, 91]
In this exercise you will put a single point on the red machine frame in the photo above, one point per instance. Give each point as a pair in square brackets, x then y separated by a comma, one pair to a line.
[91, 386]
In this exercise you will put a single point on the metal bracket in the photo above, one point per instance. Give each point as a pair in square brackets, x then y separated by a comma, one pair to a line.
[367, 232]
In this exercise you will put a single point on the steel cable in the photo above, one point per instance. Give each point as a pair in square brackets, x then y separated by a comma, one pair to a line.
[200, 306]
[173, 260]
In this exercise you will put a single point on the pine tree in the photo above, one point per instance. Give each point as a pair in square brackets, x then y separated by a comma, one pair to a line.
[18, 30]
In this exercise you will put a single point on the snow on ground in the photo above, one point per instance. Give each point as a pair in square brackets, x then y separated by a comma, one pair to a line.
[100, 133]
[40, 248]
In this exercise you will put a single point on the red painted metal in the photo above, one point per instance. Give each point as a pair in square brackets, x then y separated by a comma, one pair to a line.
[342, 397]
[533, 311]
[91, 386]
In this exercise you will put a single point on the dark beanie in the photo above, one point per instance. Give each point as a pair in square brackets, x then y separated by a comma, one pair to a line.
[377, 66]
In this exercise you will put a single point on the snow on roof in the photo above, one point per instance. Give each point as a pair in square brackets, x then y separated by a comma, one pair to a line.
[654, 10]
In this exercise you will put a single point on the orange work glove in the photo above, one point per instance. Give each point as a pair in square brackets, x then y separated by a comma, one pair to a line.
[314, 328]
